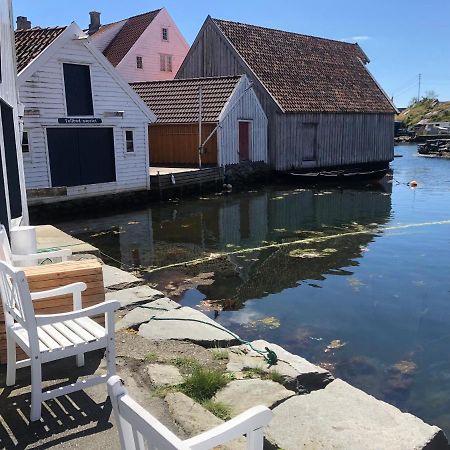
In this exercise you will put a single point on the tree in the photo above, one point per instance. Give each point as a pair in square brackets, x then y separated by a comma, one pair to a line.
[430, 95]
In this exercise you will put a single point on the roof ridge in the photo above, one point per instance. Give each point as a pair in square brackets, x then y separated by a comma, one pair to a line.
[284, 31]
[58, 27]
[175, 80]
[132, 17]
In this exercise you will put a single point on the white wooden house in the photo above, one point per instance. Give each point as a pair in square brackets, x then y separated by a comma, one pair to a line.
[13, 202]
[232, 118]
[85, 129]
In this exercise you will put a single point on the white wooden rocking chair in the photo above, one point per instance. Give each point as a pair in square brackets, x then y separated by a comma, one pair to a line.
[30, 259]
[139, 430]
[51, 337]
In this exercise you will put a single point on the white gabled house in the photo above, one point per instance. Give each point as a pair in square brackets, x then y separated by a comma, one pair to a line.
[13, 201]
[85, 128]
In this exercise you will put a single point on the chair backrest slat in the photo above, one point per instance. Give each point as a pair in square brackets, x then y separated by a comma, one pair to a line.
[17, 302]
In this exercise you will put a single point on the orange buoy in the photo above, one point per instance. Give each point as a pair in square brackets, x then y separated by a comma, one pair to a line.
[413, 183]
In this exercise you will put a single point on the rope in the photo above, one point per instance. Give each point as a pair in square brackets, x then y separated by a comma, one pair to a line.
[269, 355]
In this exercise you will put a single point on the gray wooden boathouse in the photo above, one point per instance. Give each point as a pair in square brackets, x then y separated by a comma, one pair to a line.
[323, 106]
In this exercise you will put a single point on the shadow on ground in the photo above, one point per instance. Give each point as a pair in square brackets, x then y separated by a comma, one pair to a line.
[64, 419]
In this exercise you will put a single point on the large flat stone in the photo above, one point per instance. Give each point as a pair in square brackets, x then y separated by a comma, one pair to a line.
[298, 373]
[164, 375]
[144, 313]
[134, 296]
[115, 279]
[194, 419]
[241, 395]
[183, 325]
[342, 417]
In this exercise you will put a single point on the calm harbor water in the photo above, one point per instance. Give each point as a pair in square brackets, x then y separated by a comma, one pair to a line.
[354, 279]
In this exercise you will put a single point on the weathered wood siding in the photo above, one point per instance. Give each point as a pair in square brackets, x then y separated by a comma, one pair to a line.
[178, 144]
[343, 138]
[212, 56]
[243, 105]
[43, 97]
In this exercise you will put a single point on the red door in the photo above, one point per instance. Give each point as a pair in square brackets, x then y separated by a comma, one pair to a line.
[244, 141]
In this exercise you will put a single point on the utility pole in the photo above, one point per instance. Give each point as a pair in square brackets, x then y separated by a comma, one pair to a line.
[418, 95]
[200, 141]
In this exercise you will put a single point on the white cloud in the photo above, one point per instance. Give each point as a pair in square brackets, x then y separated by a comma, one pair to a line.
[356, 38]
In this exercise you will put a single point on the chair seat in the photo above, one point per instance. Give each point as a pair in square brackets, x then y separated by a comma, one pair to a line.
[62, 335]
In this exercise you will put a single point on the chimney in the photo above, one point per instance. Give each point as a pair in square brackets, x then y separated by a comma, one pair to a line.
[23, 23]
[95, 22]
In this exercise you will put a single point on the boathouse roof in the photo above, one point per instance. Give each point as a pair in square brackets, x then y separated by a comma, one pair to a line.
[31, 43]
[306, 73]
[176, 101]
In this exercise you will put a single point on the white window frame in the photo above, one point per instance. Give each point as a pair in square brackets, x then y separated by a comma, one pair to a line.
[165, 62]
[64, 88]
[166, 29]
[141, 59]
[125, 140]
[28, 153]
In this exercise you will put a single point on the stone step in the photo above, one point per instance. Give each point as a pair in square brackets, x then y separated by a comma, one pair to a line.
[143, 313]
[134, 296]
[341, 417]
[184, 324]
[241, 395]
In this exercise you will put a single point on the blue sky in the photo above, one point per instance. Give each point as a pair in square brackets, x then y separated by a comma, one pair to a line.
[401, 37]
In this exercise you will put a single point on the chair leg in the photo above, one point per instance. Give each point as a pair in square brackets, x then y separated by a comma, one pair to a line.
[111, 356]
[36, 389]
[11, 361]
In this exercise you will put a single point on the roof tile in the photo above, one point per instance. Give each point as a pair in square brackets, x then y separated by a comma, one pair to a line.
[130, 32]
[31, 43]
[306, 73]
[176, 101]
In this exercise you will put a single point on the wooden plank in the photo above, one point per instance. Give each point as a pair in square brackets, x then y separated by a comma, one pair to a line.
[178, 144]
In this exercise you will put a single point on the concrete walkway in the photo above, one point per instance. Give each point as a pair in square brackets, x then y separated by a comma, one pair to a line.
[49, 236]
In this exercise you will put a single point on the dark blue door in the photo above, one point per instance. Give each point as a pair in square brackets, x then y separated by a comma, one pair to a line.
[81, 156]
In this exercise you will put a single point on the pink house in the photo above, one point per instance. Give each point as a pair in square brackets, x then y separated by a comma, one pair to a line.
[142, 48]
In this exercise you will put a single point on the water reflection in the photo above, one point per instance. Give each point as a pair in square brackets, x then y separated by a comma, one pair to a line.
[323, 272]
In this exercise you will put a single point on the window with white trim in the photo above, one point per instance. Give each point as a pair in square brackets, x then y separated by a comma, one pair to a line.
[165, 62]
[139, 62]
[129, 141]
[25, 142]
[165, 34]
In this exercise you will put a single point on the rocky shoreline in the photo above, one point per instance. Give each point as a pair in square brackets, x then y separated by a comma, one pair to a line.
[311, 408]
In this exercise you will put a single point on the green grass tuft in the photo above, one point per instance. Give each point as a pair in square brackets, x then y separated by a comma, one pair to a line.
[204, 383]
[186, 363]
[219, 354]
[219, 409]
[151, 357]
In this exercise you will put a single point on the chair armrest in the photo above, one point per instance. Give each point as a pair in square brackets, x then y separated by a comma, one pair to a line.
[64, 290]
[63, 253]
[250, 420]
[102, 308]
